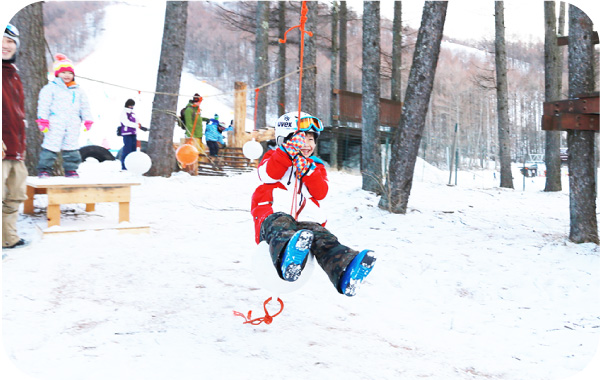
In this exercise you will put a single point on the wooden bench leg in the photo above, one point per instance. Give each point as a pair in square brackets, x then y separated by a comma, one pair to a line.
[90, 207]
[53, 214]
[123, 212]
[28, 204]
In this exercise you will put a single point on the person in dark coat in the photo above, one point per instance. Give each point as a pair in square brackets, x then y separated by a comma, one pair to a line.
[14, 172]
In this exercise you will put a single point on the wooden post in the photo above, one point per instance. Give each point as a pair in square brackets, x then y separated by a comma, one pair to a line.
[452, 153]
[237, 137]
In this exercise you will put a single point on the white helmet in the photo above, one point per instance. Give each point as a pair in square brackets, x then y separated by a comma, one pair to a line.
[287, 124]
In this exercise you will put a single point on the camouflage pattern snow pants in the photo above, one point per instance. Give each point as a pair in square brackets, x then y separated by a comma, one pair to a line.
[278, 228]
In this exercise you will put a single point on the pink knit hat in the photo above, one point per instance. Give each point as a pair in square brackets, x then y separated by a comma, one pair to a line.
[62, 63]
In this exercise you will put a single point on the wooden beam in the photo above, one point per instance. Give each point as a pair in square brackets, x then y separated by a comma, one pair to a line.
[564, 40]
[237, 137]
[570, 121]
[582, 105]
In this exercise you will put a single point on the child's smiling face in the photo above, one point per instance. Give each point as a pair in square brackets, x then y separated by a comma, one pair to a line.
[309, 144]
[66, 76]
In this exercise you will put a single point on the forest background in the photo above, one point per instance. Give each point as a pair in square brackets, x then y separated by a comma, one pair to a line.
[219, 50]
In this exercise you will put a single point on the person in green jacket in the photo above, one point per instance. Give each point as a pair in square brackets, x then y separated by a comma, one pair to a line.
[193, 118]
[193, 123]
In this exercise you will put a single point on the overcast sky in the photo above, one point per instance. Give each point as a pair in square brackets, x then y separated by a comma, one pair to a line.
[475, 19]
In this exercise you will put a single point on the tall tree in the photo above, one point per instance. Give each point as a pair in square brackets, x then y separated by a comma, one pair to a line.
[334, 109]
[281, 59]
[396, 83]
[502, 99]
[160, 141]
[261, 61]
[552, 77]
[33, 69]
[414, 110]
[343, 46]
[333, 77]
[582, 165]
[309, 79]
[371, 91]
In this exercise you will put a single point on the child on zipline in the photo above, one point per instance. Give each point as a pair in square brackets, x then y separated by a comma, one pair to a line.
[290, 172]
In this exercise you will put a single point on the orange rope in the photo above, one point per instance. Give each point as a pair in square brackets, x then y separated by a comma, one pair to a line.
[301, 26]
[255, 106]
[303, 18]
[266, 319]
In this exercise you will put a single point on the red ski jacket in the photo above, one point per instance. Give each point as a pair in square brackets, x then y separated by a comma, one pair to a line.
[278, 175]
[13, 113]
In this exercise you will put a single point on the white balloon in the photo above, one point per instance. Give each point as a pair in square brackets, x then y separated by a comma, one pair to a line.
[138, 162]
[252, 150]
[267, 276]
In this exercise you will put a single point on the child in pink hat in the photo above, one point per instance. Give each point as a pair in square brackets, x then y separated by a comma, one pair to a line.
[62, 107]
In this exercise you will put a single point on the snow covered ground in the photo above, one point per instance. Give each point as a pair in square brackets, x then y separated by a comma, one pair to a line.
[473, 282]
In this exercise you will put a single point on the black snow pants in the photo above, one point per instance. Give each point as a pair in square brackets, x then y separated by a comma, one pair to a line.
[278, 228]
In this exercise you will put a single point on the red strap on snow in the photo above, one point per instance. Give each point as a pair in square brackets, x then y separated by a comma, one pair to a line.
[266, 319]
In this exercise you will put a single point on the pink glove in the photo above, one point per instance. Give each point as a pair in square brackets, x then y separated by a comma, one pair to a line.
[88, 124]
[43, 125]
[292, 146]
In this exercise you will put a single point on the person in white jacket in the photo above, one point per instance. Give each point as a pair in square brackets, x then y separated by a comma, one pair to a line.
[62, 107]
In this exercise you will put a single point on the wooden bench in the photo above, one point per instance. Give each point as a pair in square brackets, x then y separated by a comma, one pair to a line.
[62, 190]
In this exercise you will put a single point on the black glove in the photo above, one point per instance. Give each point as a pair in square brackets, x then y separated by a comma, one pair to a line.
[144, 129]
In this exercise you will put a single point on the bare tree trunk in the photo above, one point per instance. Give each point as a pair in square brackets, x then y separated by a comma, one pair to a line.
[582, 166]
[333, 78]
[502, 100]
[261, 61]
[309, 80]
[371, 65]
[31, 61]
[343, 46]
[160, 141]
[552, 79]
[396, 86]
[414, 111]
[281, 60]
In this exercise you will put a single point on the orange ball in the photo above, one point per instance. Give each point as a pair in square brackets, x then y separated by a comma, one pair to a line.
[187, 154]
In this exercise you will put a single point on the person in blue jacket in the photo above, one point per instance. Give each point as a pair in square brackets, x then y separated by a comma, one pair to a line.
[214, 135]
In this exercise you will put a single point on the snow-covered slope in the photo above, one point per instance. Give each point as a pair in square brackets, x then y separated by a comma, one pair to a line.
[127, 55]
[474, 282]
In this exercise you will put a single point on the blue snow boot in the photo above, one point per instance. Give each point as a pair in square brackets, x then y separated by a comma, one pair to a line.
[358, 269]
[295, 254]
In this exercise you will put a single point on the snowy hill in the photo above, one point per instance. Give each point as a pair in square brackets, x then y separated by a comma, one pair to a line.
[127, 55]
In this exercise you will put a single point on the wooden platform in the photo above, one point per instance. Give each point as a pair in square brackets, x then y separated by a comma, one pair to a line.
[61, 190]
[230, 161]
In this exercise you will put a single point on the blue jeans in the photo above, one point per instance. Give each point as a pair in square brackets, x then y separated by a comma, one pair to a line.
[129, 144]
[213, 148]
